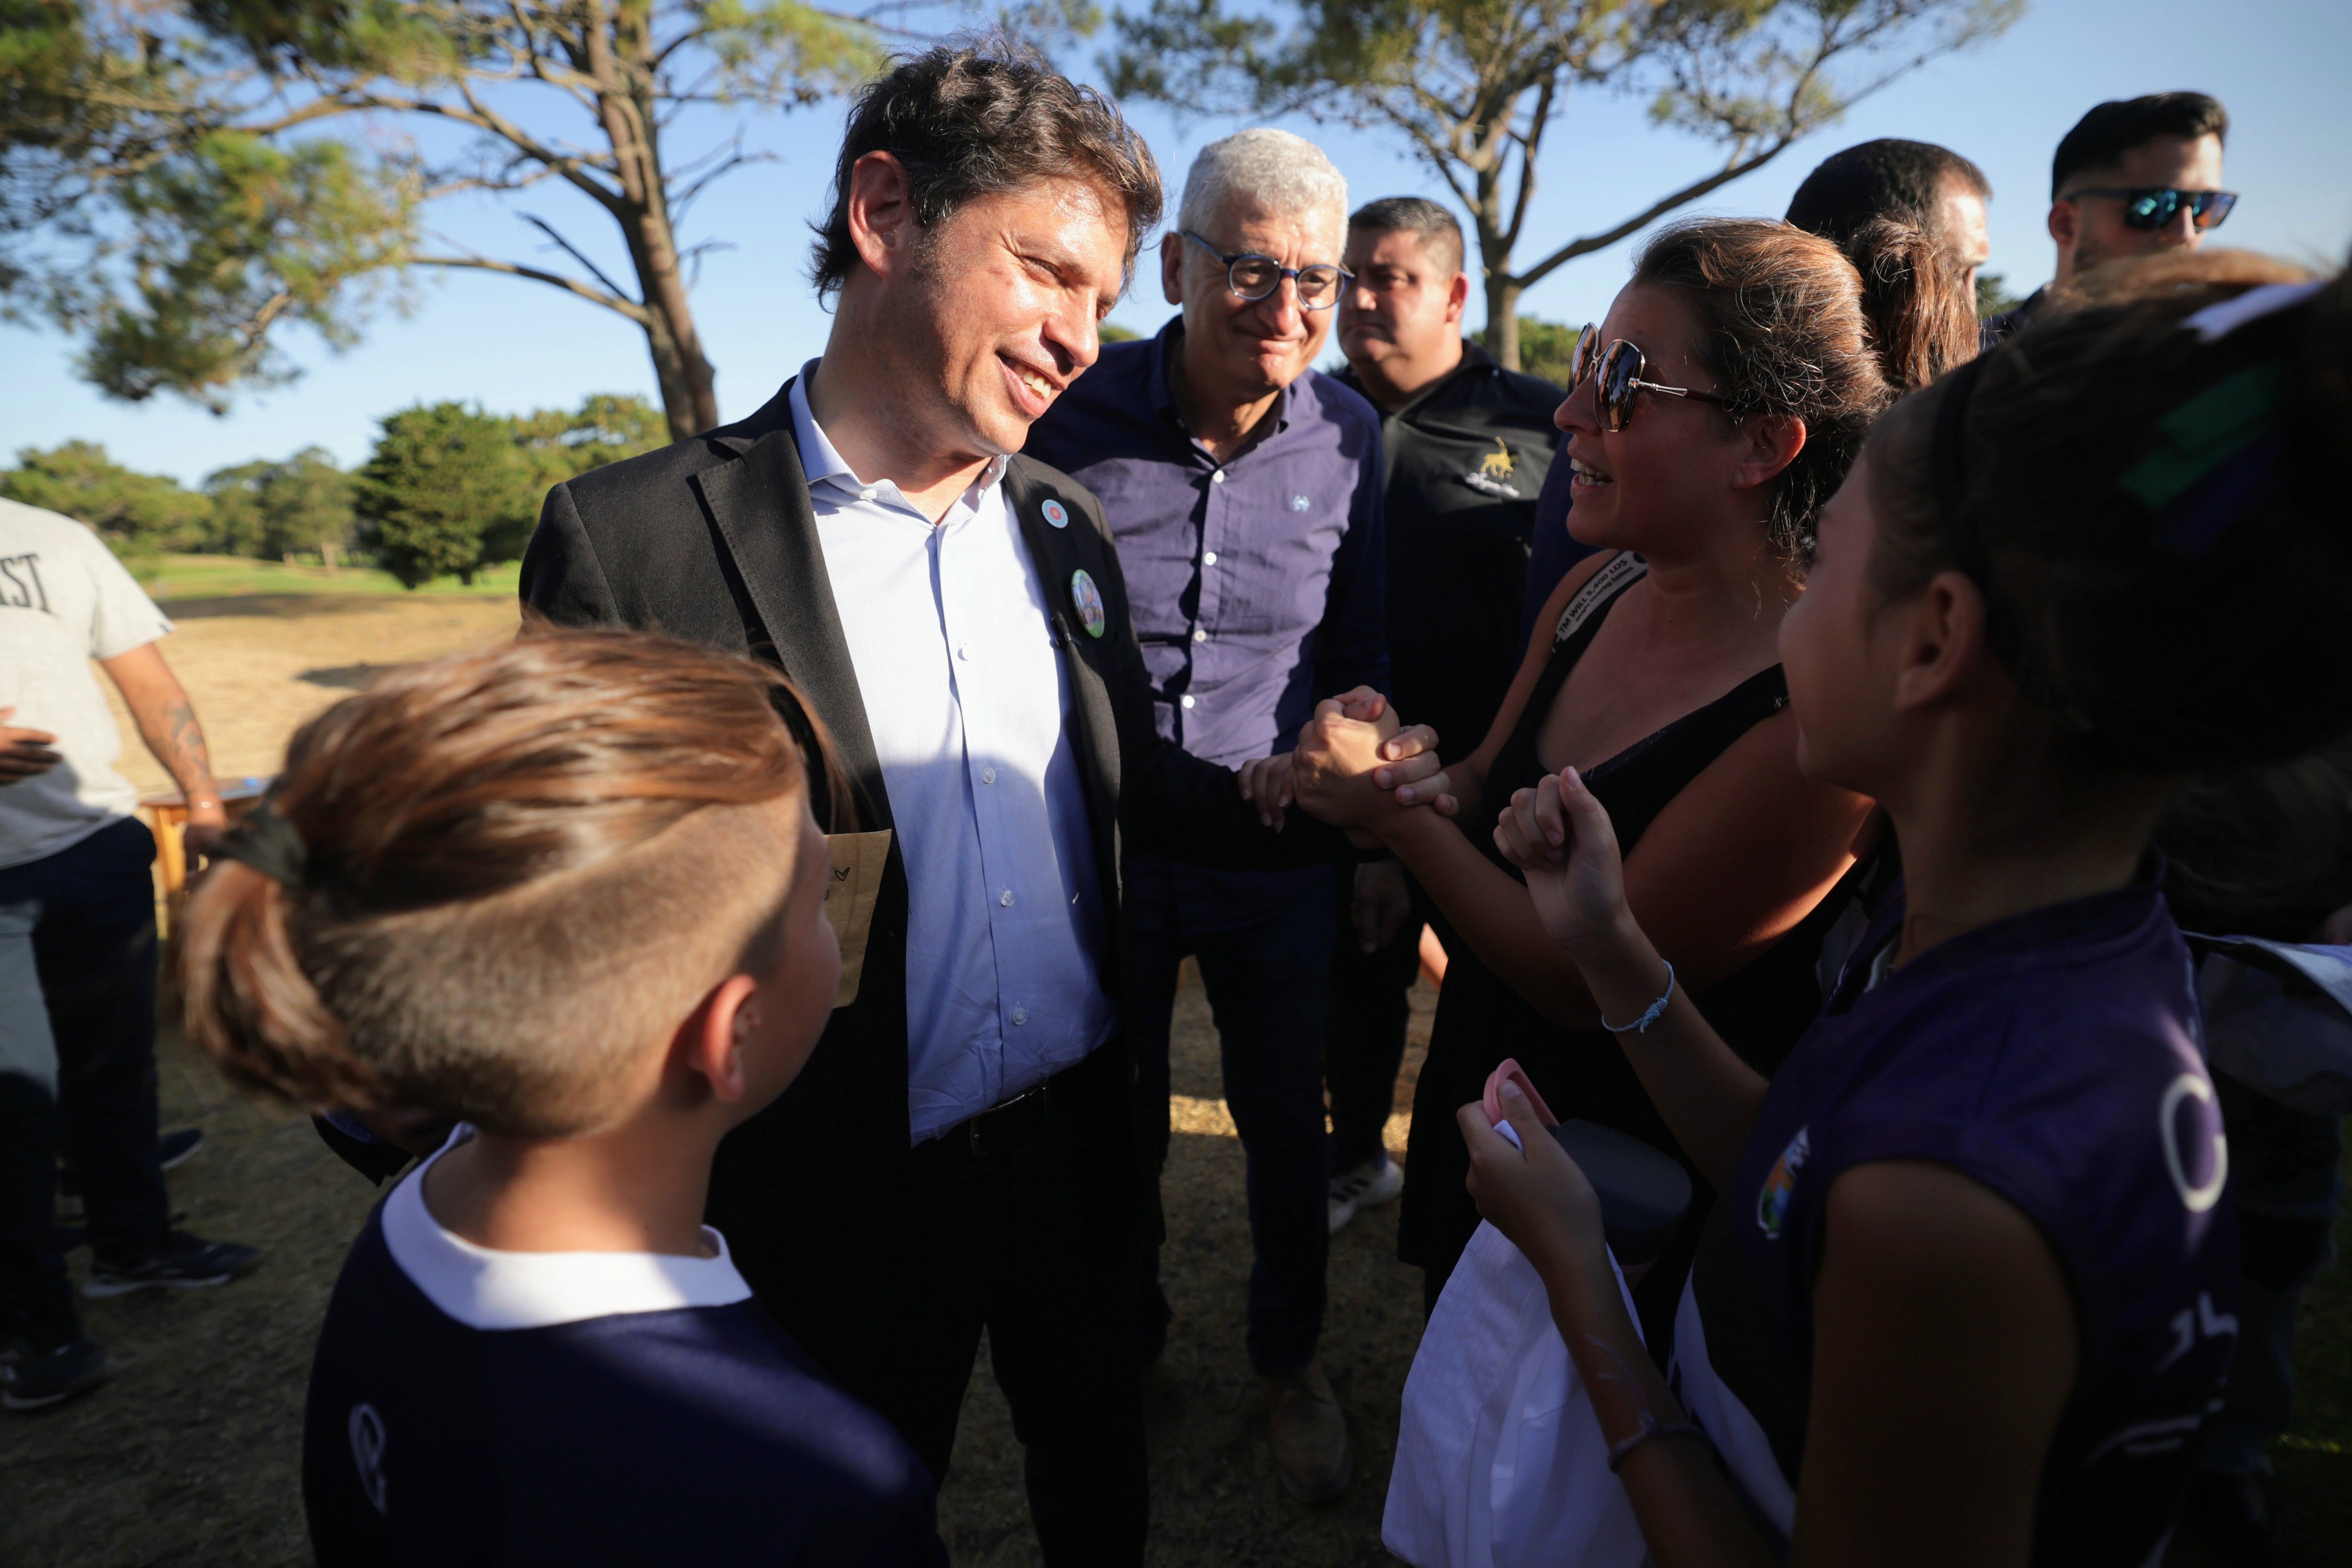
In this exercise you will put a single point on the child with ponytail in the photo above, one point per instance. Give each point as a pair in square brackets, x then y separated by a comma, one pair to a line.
[1968, 1297]
[567, 894]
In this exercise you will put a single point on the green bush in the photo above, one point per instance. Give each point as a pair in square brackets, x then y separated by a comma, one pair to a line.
[446, 492]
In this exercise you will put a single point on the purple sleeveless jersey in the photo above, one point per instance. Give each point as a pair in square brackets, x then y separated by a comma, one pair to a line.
[2056, 1057]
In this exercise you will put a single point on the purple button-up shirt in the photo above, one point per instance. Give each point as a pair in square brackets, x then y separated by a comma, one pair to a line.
[1258, 584]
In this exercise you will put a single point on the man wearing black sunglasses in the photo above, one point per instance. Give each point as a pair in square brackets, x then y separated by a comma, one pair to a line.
[2134, 176]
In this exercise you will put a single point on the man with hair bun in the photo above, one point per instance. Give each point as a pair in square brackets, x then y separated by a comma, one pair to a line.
[959, 1157]
[1243, 487]
[1467, 446]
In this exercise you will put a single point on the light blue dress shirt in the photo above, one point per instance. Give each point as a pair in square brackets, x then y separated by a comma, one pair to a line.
[968, 703]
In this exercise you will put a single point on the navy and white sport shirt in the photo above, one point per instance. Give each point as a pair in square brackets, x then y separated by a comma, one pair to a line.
[2055, 1057]
[471, 1406]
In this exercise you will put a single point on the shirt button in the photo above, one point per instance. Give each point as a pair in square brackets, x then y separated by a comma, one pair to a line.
[1185, 703]
[1208, 558]
[1218, 477]
[868, 493]
[963, 652]
[1020, 1014]
[1200, 634]
[988, 776]
[1005, 898]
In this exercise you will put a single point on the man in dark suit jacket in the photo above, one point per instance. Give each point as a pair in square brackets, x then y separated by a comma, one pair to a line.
[958, 1154]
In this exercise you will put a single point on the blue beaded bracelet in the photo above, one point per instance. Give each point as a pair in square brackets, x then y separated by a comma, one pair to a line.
[1640, 1026]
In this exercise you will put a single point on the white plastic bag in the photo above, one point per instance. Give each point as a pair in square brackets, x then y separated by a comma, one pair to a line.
[1500, 1462]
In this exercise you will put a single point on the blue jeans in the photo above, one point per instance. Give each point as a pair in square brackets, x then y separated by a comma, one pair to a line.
[1264, 942]
[76, 1060]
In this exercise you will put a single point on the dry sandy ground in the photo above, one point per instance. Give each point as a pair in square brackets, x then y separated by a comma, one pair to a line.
[260, 665]
[191, 1455]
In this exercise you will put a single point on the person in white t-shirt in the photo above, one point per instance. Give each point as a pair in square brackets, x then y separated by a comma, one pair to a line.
[77, 946]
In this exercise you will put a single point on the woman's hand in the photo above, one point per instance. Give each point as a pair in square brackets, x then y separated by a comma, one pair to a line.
[1352, 773]
[1559, 835]
[1268, 783]
[1535, 1194]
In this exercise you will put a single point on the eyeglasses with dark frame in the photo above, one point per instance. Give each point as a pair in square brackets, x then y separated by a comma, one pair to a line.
[2154, 207]
[1620, 366]
[1253, 276]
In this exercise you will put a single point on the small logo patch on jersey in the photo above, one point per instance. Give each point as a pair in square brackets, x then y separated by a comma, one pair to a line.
[367, 1452]
[1056, 513]
[1492, 475]
[1780, 1186]
[1089, 599]
[1299, 504]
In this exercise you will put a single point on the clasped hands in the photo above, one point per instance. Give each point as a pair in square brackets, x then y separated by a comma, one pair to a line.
[1356, 764]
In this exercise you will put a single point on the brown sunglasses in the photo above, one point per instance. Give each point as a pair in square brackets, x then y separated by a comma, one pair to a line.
[1620, 366]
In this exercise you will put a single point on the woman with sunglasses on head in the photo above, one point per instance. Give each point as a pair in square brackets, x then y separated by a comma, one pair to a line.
[1712, 412]
[1968, 1297]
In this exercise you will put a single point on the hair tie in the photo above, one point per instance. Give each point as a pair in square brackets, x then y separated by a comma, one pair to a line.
[269, 843]
[2218, 458]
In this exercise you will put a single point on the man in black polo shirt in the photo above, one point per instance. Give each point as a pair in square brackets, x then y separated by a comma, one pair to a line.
[1466, 445]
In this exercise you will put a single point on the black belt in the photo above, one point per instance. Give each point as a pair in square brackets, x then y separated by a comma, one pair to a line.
[1016, 1127]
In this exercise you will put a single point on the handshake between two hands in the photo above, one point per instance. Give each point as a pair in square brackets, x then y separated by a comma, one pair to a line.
[1358, 767]
[1356, 764]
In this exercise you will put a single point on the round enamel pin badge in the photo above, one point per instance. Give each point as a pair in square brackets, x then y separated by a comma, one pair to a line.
[1058, 514]
[1089, 599]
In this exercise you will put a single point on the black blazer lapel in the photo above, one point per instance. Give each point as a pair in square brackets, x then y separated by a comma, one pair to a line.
[1060, 553]
[761, 505]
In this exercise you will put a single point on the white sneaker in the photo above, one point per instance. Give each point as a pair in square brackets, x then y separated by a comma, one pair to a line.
[1367, 1185]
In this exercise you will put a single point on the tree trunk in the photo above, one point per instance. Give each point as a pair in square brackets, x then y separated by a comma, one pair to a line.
[688, 394]
[1503, 317]
[623, 64]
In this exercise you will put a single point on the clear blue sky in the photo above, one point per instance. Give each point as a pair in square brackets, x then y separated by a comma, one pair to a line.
[2283, 67]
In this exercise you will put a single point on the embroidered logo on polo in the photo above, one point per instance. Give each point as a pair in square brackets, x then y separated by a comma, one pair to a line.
[1056, 513]
[1780, 1186]
[1492, 475]
[367, 1453]
[1299, 504]
[1089, 599]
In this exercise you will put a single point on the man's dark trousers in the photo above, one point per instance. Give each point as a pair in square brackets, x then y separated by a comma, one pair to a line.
[1030, 1232]
[91, 909]
[1365, 1026]
[1264, 942]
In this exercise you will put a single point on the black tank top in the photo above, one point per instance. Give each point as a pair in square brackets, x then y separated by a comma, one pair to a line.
[1759, 1009]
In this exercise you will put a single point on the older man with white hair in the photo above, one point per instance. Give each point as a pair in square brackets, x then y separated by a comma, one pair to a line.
[1244, 488]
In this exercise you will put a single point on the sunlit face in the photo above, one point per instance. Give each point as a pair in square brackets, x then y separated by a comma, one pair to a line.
[1836, 650]
[1406, 300]
[1669, 474]
[1961, 224]
[1000, 312]
[1250, 349]
[2090, 229]
[795, 1001]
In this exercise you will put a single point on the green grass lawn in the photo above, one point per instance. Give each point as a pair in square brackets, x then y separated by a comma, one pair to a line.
[223, 576]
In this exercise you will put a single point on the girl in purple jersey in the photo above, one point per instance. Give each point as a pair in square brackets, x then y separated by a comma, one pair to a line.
[1969, 1295]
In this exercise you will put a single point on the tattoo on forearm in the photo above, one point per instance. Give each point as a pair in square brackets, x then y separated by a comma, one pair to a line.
[183, 746]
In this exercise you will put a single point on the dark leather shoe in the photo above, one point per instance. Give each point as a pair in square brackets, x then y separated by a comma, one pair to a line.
[1310, 1435]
